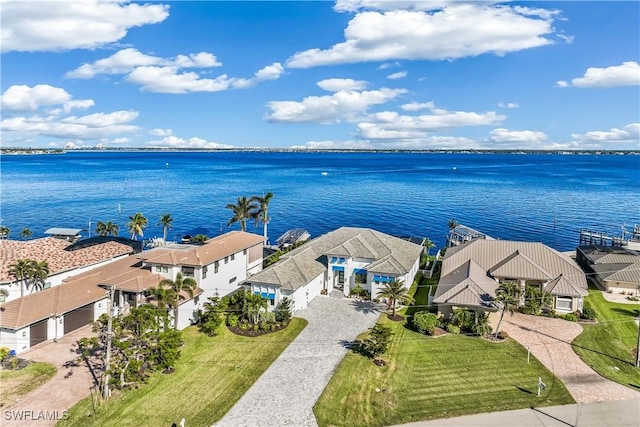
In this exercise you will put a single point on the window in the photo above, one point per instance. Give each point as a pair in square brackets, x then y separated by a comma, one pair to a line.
[204, 272]
[341, 277]
[272, 301]
[233, 279]
[2, 298]
[361, 278]
[188, 271]
[563, 303]
[233, 256]
[158, 268]
[226, 259]
[216, 265]
[47, 285]
[244, 252]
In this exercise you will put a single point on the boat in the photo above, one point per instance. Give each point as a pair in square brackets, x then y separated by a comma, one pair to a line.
[323, 173]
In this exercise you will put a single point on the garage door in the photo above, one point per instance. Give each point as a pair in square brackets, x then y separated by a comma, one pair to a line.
[38, 332]
[78, 318]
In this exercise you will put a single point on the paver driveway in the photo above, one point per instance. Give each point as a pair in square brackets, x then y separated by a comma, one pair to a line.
[69, 385]
[285, 394]
[550, 341]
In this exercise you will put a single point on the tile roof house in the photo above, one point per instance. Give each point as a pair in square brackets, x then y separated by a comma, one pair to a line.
[612, 268]
[64, 259]
[337, 260]
[218, 267]
[472, 271]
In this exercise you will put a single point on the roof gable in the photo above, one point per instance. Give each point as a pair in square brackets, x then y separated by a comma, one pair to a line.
[520, 266]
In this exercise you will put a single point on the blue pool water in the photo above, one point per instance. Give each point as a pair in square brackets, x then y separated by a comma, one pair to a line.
[533, 197]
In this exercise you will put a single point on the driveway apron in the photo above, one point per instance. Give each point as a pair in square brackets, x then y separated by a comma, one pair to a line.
[550, 341]
[285, 393]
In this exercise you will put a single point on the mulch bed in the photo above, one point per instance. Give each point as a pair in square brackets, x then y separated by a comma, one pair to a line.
[395, 318]
[493, 338]
[439, 332]
[251, 333]
[6, 363]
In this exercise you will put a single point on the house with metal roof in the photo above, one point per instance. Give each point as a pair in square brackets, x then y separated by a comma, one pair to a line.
[340, 260]
[472, 271]
[218, 266]
[615, 269]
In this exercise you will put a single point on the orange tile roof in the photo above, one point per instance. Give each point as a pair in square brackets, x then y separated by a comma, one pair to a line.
[77, 291]
[213, 250]
[53, 251]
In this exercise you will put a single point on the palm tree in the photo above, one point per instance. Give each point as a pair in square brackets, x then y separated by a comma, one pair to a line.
[452, 224]
[4, 232]
[21, 270]
[162, 296]
[243, 211]
[252, 306]
[428, 244]
[175, 287]
[508, 297]
[535, 299]
[136, 224]
[107, 228]
[39, 272]
[395, 291]
[481, 325]
[262, 214]
[165, 222]
[463, 318]
[26, 233]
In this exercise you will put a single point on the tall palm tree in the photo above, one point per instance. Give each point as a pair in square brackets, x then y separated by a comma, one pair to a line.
[107, 228]
[428, 244]
[452, 224]
[21, 270]
[165, 222]
[242, 212]
[262, 214]
[4, 232]
[395, 291]
[175, 287]
[508, 297]
[136, 224]
[39, 272]
[26, 233]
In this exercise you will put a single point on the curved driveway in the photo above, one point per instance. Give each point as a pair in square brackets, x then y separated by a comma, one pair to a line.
[285, 394]
[550, 341]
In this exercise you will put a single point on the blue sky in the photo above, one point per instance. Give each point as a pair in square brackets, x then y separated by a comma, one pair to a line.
[348, 74]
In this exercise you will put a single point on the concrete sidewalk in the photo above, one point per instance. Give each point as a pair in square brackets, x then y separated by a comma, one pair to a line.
[617, 413]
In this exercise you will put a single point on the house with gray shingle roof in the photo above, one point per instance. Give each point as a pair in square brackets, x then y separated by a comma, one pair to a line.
[341, 260]
[615, 269]
[472, 271]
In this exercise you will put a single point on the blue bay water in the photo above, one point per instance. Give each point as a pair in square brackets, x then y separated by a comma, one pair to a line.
[541, 197]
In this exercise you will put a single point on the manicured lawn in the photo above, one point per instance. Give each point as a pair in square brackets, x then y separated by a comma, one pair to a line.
[606, 346]
[14, 384]
[430, 378]
[421, 295]
[212, 374]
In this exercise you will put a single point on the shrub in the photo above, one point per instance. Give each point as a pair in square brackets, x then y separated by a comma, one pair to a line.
[357, 291]
[4, 352]
[570, 317]
[211, 325]
[425, 322]
[268, 317]
[256, 327]
[283, 310]
[244, 326]
[378, 341]
[442, 322]
[588, 312]
[323, 292]
[453, 329]
[232, 320]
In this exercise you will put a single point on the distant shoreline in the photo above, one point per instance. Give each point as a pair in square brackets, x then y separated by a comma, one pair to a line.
[45, 151]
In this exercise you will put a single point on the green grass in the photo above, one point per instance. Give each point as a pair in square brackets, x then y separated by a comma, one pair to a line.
[431, 378]
[421, 295]
[606, 346]
[17, 383]
[212, 374]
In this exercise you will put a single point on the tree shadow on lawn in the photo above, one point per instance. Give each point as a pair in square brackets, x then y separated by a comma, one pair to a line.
[626, 311]
[627, 362]
[524, 390]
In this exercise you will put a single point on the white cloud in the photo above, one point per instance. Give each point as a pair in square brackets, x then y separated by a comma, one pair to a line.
[422, 143]
[270, 72]
[388, 65]
[508, 105]
[336, 85]
[340, 106]
[126, 60]
[630, 133]
[166, 75]
[172, 141]
[357, 5]
[94, 126]
[161, 132]
[168, 80]
[417, 106]
[25, 98]
[517, 138]
[121, 140]
[82, 104]
[398, 75]
[455, 31]
[335, 145]
[626, 74]
[30, 26]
